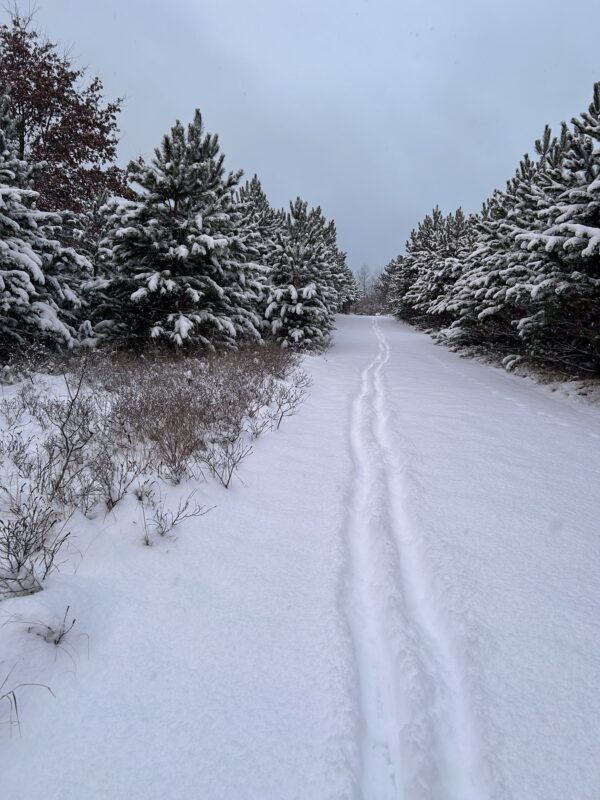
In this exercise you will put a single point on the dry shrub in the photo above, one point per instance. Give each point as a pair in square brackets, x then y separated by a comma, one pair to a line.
[122, 415]
[289, 396]
[158, 519]
[163, 411]
[25, 361]
[32, 534]
[85, 452]
[118, 418]
[197, 412]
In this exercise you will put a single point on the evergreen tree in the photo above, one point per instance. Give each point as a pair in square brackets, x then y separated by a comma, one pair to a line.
[403, 275]
[180, 260]
[343, 281]
[486, 297]
[261, 218]
[566, 329]
[522, 278]
[421, 280]
[302, 298]
[260, 225]
[450, 239]
[39, 278]
[383, 286]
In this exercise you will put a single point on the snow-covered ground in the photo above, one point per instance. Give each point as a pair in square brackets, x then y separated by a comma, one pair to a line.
[401, 600]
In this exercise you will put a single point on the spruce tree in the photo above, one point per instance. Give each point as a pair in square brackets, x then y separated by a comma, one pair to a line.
[179, 264]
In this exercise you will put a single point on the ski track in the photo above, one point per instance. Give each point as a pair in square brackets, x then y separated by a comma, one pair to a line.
[418, 737]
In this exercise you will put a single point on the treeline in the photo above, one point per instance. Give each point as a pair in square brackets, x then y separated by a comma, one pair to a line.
[173, 250]
[520, 280]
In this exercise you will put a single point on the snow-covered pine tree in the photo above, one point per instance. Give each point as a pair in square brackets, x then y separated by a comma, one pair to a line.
[566, 329]
[523, 278]
[483, 299]
[257, 209]
[86, 230]
[326, 232]
[443, 265]
[524, 269]
[260, 225]
[384, 282]
[179, 253]
[39, 277]
[402, 278]
[343, 281]
[410, 286]
[302, 298]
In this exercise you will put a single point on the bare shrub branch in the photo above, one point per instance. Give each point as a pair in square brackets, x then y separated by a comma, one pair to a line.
[289, 396]
[223, 458]
[163, 520]
[31, 537]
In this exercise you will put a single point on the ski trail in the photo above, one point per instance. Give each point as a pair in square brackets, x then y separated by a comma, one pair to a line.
[416, 735]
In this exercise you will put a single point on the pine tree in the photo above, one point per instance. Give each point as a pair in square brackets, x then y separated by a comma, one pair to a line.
[409, 286]
[383, 286]
[179, 255]
[403, 275]
[345, 283]
[522, 278]
[260, 225]
[39, 278]
[302, 298]
[566, 329]
[487, 298]
[523, 270]
[442, 264]
[342, 279]
[262, 218]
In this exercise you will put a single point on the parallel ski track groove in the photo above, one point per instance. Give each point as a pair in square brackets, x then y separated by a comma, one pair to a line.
[414, 723]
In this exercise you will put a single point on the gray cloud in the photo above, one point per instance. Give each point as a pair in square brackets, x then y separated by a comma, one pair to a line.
[375, 109]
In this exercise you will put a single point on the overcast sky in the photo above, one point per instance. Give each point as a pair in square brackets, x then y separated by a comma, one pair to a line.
[374, 109]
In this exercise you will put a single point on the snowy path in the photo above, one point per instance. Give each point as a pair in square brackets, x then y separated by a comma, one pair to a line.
[401, 601]
[474, 596]
[413, 715]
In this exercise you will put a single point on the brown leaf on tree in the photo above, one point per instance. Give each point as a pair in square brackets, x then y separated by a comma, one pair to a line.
[61, 121]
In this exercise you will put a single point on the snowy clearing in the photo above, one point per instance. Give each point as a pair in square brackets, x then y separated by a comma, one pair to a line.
[401, 600]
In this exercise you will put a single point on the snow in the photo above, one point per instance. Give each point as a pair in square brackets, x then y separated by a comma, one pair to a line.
[182, 327]
[399, 599]
[153, 281]
[139, 294]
